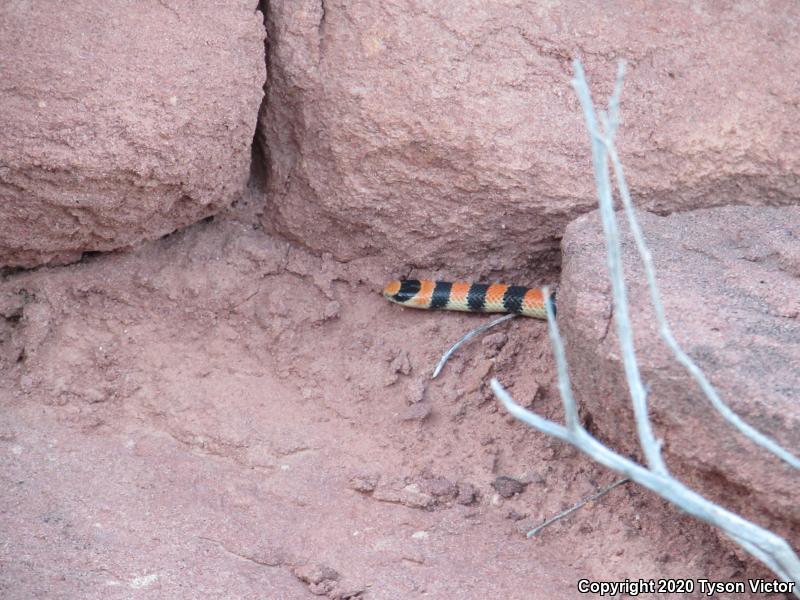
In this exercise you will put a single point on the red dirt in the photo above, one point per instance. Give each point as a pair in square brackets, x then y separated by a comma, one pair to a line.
[221, 415]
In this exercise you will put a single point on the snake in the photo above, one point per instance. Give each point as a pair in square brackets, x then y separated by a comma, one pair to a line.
[469, 297]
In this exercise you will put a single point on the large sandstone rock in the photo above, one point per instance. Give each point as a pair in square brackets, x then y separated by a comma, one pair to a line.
[446, 134]
[730, 279]
[121, 121]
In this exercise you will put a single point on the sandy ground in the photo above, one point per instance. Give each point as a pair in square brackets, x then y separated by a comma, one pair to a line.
[220, 414]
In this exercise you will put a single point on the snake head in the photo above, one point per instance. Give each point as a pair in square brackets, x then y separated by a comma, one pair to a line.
[391, 290]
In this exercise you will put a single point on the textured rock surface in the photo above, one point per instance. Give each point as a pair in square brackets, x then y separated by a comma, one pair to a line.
[730, 278]
[446, 135]
[121, 121]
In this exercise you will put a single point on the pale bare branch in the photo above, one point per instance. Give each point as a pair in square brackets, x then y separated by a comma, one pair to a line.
[761, 543]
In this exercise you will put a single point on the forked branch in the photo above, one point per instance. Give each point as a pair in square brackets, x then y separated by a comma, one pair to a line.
[761, 543]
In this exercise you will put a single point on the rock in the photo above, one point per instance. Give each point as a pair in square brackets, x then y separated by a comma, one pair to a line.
[440, 487]
[364, 483]
[447, 136]
[416, 391]
[727, 277]
[495, 340]
[321, 579]
[508, 486]
[416, 412]
[467, 493]
[410, 495]
[331, 311]
[493, 343]
[121, 122]
[401, 363]
[516, 516]
[413, 497]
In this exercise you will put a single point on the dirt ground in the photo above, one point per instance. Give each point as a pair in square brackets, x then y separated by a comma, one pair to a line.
[220, 414]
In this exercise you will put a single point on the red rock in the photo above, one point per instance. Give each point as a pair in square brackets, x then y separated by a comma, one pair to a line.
[508, 486]
[731, 297]
[448, 136]
[121, 122]
[416, 412]
[440, 487]
[365, 483]
[467, 493]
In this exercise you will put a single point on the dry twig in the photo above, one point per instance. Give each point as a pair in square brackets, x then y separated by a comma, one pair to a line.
[761, 543]
[446, 356]
[577, 505]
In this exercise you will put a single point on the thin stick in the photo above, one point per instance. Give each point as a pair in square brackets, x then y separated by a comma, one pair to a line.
[572, 509]
[647, 439]
[446, 356]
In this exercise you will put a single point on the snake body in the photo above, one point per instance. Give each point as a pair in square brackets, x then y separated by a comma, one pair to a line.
[469, 297]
